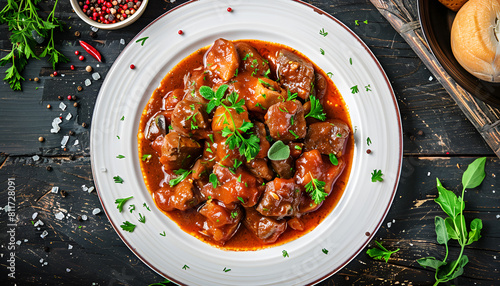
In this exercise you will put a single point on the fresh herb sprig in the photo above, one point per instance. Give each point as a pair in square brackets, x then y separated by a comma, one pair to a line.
[248, 147]
[316, 189]
[454, 227]
[380, 252]
[182, 175]
[28, 29]
[316, 109]
[121, 202]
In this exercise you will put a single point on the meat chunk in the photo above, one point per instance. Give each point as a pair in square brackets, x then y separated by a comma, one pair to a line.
[178, 151]
[259, 93]
[259, 168]
[296, 223]
[320, 86]
[284, 168]
[238, 187]
[266, 229]
[285, 121]
[251, 60]
[190, 119]
[231, 119]
[281, 198]
[295, 73]
[222, 59]
[182, 197]
[259, 129]
[221, 222]
[312, 165]
[328, 137]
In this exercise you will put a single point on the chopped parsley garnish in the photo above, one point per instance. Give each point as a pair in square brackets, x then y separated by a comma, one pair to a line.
[120, 202]
[118, 179]
[163, 233]
[185, 267]
[213, 179]
[260, 105]
[117, 136]
[239, 179]
[316, 109]
[146, 206]
[297, 147]
[247, 56]
[142, 218]
[350, 61]
[120, 156]
[329, 74]
[234, 214]
[266, 84]
[241, 200]
[211, 136]
[291, 96]
[131, 208]
[322, 51]
[323, 33]
[354, 89]
[368, 141]
[123, 118]
[142, 40]
[285, 253]
[368, 88]
[294, 134]
[128, 226]
[333, 159]
[292, 119]
[248, 147]
[266, 73]
[316, 189]
[325, 251]
[163, 283]
[380, 252]
[226, 269]
[182, 175]
[377, 176]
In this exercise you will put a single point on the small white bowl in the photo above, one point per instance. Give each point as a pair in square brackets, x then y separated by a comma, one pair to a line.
[131, 19]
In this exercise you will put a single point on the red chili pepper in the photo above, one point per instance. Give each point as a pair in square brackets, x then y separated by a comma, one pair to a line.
[91, 50]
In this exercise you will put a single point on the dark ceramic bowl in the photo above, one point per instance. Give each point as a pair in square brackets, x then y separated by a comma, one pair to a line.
[436, 21]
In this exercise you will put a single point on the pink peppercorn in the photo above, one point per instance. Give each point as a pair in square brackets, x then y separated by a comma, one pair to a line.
[132, 66]
[229, 9]
[55, 73]
[180, 32]
[81, 58]
[72, 67]
[69, 97]
[77, 53]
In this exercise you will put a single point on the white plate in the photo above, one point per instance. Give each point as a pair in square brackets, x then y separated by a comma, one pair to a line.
[359, 213]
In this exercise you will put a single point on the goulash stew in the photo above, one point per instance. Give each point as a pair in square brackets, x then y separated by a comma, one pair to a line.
[246, 144]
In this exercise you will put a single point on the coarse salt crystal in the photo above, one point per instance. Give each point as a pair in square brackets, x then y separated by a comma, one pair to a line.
[68, 270]
[8, 208]
[498, 216]
[96, 76]
[38, 223]
[393, 221]
[41, 260]
[94, 29]
[44, 234]
[62, 106]
[84, 188]
[64, 141]
[25, 240]
[54, 190]
[494, 257]
[103, 169]
[45, 263]
[34, 215]
[389, 224]
[36, 158]
[122, 41]
[69, 116]
[431, 78]
[87, 82]
[84, 217]
[70, 246]
[76, 142]
[428, 174]
[493, 191]
[18, 242]
[96, 211]
[90, 190]
[59, 215]
[411, 244]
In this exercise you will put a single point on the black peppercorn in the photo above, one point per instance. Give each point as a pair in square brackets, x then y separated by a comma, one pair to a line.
[71, 132]
[84, 125]
[64, 193]
[79, 218]
[93, 34]
[49, 168]
[60, 97]
[46, 249]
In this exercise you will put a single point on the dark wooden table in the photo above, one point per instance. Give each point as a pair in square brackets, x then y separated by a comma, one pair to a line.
[438, 142]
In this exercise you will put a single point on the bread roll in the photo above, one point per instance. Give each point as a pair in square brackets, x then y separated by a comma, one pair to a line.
[453, 5]
[474, 38]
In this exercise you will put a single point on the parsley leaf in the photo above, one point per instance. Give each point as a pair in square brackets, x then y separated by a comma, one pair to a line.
[316, 109]
[322, 32]
[142, 218]
[368, 141]
[120, 202]
[183, 174]
[120, 156]
[128, 226]
[316, 189]
[118, 179]
[146, 157]
[213, 179]
[377, 176]
[285, 253]
[380, 252]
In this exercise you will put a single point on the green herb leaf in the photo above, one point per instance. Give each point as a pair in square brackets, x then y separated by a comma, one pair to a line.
[333, 159]
[380, 252]
[475, 230]
[448, 201]
[128, 226]
[474, 175]
[118, 179]
[183, 174]
[131, 208]
[441, 231]
[430, 262]
[285, 253]
[278, 151]
[142, 40]
[316, 109]
[164, 283]
[241, 200]
[322, 32]
[226, 269]
[213, 179]
[368, 141]
[142, 218]
[377, 176]
[120, 202]
[120, 156]
[316, 190]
